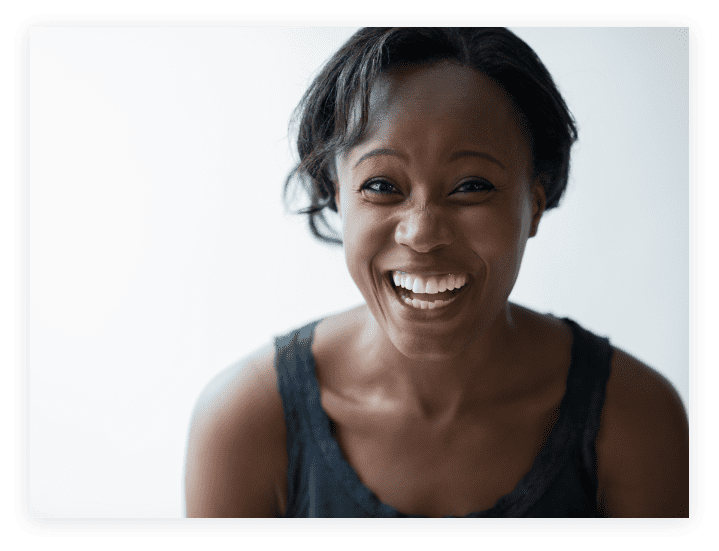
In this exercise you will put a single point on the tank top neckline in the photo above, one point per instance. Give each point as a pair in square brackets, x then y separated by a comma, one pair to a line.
[535, 482]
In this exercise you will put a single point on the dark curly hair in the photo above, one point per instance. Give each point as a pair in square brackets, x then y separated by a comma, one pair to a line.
[324, 113]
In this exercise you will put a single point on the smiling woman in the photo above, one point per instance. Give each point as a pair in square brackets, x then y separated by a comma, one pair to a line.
[440, 150]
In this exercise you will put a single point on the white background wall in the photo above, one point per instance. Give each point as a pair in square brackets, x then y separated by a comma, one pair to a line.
[157, 252]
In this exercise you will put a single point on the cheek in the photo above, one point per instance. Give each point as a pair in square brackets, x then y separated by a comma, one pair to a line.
[499, 240]
[364, 236]
[352, 229]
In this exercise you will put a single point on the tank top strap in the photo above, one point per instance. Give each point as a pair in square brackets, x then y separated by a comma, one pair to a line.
[561, 482]
[586, 392]
[563, 479]
[295, 375]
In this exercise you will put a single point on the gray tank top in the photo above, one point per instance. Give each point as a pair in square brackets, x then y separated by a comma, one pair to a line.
[562, 481]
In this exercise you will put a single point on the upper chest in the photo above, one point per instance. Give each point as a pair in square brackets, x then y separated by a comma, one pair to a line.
[418, 469]
[454, 468]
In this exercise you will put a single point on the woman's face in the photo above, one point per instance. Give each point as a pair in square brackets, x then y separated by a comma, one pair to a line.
[437, 194]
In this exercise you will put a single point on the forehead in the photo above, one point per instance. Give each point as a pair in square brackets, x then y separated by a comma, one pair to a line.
[440, 107]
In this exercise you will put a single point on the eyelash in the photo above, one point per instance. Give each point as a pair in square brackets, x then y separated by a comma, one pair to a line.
[367, 186]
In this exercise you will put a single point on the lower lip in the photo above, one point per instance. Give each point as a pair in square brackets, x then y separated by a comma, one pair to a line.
[432, 312]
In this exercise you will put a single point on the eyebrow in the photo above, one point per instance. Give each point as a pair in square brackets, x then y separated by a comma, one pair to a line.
[469, 153]
[453, 157]
[378, 152]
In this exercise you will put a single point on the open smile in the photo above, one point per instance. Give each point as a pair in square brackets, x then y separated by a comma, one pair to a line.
[428, 292]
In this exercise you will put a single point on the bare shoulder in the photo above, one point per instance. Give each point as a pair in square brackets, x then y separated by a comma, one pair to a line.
[236, 455]
[643, 444]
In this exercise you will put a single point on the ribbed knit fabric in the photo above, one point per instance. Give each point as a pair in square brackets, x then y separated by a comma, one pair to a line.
[562, 481]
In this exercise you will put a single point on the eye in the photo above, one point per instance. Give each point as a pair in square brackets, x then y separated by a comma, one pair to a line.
[474, 186]
[379, 187]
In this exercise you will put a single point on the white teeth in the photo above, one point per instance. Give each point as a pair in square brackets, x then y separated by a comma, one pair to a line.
[425, 305]
[429, 285]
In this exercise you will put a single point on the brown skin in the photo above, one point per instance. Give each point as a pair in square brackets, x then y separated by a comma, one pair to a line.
[439, 412]
[643, 444]
[445, 208]
[450, 463]
[237, 457]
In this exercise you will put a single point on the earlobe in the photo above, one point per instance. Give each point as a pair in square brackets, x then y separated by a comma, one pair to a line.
[331, 178]
[539, 203]
[336, 197]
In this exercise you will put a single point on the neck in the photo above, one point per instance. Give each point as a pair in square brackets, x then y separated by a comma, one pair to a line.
[442, 389]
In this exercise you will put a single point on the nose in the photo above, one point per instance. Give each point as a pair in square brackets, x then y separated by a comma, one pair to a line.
[423, 228]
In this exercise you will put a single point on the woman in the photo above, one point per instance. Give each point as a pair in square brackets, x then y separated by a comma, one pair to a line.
[440, 149]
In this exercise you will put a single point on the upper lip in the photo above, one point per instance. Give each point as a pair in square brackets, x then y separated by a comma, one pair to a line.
[424, 271]
[429, 272]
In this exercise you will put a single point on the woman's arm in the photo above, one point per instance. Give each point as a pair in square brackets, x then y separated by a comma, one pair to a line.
[643, 444]
[236, 455]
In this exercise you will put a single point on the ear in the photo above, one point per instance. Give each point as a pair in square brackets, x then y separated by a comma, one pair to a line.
[539, 203]
[331, 173]
[336, 191]
[335, 185]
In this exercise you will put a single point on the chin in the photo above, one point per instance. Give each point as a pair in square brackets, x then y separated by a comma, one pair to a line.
[431, 348]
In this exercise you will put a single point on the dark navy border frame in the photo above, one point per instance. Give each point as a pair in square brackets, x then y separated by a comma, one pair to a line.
[357, 527]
